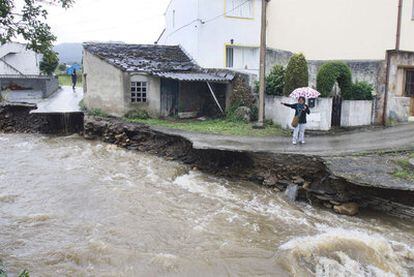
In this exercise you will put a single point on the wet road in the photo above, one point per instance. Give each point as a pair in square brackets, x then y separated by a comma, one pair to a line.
[64, 100]
[70, 207]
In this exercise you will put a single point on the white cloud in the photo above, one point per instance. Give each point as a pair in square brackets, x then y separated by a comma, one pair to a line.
[131, 21]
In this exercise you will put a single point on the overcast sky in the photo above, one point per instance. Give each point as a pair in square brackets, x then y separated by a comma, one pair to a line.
[131, 21]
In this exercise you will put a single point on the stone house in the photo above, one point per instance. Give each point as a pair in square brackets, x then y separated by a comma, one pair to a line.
[360, 33]
[161, 80]
[20, 77]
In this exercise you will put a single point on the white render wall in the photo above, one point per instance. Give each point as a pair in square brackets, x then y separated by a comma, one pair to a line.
[20, 59]
[318, 119]
[339, 29]
[206, 43]
[104, 86]
[356, 113]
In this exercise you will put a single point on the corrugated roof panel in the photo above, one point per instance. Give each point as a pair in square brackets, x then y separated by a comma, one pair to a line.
[195, 77]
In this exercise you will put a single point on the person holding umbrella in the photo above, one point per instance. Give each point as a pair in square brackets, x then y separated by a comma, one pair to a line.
[299, 121]
[74, 79]
[301, 111]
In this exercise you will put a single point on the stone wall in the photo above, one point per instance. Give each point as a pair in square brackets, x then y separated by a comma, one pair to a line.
[17, 118]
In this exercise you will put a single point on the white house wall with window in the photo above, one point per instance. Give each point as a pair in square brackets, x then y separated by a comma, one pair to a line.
[216, 33]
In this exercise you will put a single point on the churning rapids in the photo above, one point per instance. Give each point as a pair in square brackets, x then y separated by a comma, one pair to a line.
[70, 207]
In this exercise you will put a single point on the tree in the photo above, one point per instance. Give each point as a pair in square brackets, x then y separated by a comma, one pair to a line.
[62, 67]
[28, 23]
[297, 75]
[49, 63]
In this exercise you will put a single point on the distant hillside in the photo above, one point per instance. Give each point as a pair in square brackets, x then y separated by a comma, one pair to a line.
[69, 52]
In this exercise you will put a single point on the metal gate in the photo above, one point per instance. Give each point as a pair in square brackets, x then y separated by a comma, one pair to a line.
[336, 111]
[169, 97]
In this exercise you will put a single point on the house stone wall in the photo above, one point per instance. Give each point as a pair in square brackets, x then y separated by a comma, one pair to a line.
[153, 104]
[105, 89]
[398, 105]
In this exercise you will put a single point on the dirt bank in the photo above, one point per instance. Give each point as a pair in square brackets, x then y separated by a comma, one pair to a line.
[317, 184]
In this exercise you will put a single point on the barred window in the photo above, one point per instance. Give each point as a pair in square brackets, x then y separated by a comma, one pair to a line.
[138, 92]
[409, 83]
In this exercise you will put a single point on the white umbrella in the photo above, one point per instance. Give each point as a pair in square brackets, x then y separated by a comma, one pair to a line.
[305, 92]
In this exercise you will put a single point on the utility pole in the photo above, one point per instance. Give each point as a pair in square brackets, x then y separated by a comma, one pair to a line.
[398, 37]
[262, 73]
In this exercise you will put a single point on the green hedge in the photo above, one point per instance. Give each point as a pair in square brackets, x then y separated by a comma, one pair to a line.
[332, 72]
[297, 74]
[361, 91]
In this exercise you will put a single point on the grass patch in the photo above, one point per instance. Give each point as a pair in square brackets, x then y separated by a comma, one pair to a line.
[95, 112]
[405, 170]
[215, 126]
[66, 80]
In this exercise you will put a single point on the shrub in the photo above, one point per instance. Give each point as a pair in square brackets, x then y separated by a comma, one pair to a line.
[297, 74]
[275, 81]
[241, 96]
[332, 72]
[49, 63]
[138, 114]
[97, 112]
[361, 91]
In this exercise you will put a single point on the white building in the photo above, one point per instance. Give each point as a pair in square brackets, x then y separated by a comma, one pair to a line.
[20, 76]
[16, 59]
[216, 33]
[226, 34]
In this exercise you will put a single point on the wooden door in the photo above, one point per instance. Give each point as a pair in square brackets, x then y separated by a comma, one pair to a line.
[412, 105]
[336, 111]
[169, 97]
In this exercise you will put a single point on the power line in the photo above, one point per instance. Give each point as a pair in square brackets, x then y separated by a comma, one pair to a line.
[208, 20]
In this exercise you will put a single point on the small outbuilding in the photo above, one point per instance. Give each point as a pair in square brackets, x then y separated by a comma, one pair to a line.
[161, 80]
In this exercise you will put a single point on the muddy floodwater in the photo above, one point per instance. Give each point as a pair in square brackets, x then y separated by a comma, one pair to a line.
[70, 207]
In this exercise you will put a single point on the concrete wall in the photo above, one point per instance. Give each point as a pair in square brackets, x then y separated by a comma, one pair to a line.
[356, 113]
[16, 59]
[338, 29]
[45, 85]
[105, 86]
[398, 105]
[319, 119]
[206, 43]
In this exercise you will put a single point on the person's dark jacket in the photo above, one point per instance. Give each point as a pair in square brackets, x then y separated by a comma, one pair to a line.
[301, 110]
[74, 78]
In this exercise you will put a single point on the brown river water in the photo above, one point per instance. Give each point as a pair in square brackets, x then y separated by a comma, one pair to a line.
[70, 207]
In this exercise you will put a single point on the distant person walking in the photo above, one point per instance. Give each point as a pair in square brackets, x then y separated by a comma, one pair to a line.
[301, 110]
[74, 79]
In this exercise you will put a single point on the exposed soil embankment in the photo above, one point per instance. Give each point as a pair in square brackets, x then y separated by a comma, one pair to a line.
[315, 181]
[17, 118]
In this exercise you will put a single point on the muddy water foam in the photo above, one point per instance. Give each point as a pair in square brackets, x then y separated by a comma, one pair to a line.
[75, 208]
